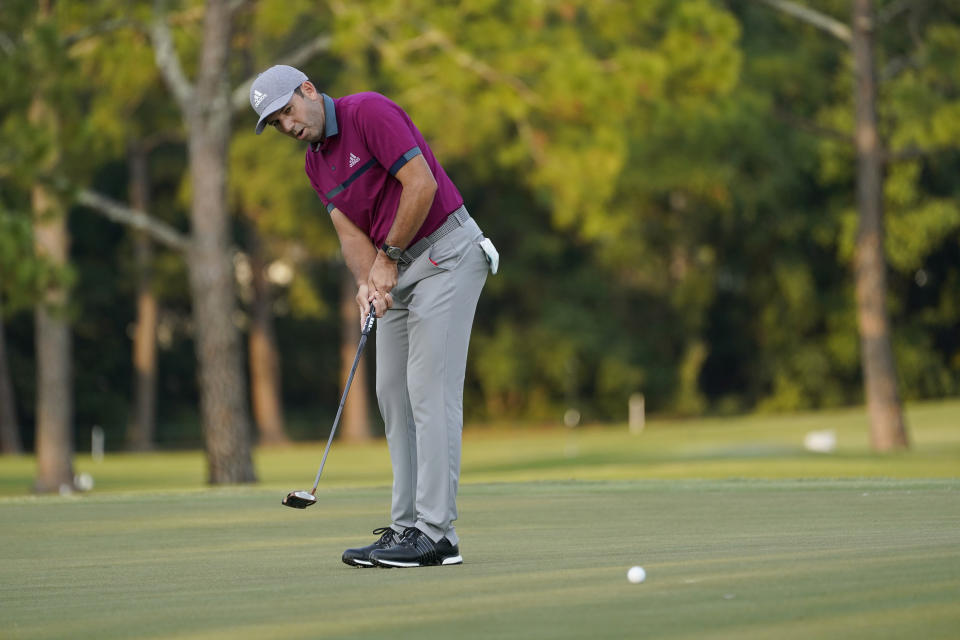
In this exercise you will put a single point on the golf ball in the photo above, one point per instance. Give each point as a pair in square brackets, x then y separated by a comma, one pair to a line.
[636, 575]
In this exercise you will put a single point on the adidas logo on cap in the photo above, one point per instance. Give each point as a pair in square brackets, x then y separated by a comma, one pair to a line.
[258, 97]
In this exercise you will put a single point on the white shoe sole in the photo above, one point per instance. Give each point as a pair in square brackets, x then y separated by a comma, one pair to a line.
[394, 563]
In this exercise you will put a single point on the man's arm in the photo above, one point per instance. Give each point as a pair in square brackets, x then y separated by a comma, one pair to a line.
[359, 254]
[419, 189]
[358, 251]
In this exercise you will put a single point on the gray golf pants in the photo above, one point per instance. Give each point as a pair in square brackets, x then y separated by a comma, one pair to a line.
[421, 359]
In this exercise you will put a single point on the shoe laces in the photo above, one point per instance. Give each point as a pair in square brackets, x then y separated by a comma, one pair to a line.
[409, 536]
[413, 538]
[387, 534]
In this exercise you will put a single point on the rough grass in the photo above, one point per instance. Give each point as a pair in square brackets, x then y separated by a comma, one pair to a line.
[743, 534]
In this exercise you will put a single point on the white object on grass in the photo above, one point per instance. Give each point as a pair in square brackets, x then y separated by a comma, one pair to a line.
[824, 441]
[636, 412]
[83, 481]
[636, 575]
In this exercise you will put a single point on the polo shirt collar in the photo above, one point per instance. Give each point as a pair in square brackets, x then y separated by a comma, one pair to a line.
[330, 127]
[331, 117]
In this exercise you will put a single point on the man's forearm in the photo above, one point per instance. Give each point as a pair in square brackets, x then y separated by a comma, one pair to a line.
[416, 198]
[411, 212]
[359, 254]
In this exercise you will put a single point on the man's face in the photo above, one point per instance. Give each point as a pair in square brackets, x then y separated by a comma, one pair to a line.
[302, 118]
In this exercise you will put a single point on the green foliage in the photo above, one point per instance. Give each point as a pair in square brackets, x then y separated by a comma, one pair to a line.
[812, 358]
[670, 216]
[39, 66]
[22, 274]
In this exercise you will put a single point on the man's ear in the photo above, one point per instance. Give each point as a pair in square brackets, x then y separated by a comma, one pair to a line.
[309, 91]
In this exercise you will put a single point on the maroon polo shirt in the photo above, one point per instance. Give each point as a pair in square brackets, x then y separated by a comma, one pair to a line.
[367, 139]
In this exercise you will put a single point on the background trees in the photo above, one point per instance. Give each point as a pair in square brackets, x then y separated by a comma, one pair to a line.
[671, 186]
[877, 139]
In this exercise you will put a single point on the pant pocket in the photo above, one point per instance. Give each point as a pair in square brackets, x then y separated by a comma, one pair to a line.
[449, 252]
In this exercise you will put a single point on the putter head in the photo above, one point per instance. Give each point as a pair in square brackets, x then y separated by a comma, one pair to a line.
[299, 499]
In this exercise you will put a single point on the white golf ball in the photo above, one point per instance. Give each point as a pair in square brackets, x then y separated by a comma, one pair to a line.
[636, 575]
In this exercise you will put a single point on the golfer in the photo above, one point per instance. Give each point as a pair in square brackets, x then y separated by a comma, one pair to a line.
[421, 260]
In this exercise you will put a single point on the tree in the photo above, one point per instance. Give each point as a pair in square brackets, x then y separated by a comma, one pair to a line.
[29, 276]
[264, 375]
[141, 430]
[54, 147]
[206, 111]
[54, 443]
[264, 357]
[887, 427]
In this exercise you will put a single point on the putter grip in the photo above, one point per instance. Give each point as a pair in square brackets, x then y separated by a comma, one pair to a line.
[371, 316]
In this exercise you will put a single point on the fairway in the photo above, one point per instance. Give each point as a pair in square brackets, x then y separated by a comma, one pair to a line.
[550, 523]
[745, 559]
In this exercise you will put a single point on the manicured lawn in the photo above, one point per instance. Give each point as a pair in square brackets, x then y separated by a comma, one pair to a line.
[742, 532]
[728, 558]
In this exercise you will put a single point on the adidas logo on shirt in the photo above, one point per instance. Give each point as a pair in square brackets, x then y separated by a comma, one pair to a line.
[353, 160]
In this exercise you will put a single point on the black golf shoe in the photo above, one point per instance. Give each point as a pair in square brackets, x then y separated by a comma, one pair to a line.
[416, 549]
[361, 557]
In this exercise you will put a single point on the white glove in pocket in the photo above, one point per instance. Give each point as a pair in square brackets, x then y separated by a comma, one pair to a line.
[493, 258]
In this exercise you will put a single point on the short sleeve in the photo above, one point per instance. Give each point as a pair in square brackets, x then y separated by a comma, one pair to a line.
[387, 132]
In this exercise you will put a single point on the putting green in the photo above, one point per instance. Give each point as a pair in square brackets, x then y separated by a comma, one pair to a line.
[745, 559]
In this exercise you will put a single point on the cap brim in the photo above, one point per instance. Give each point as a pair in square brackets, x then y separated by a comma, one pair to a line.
[274, 106]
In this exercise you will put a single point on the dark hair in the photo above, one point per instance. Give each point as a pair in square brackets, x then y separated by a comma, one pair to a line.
[298, 92]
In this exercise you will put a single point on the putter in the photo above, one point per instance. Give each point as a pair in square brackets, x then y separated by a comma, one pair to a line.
[303, 499]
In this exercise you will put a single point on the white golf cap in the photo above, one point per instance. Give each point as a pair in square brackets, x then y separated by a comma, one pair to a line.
[273, 89]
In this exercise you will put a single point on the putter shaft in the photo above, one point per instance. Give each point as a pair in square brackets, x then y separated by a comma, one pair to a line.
[365, 331]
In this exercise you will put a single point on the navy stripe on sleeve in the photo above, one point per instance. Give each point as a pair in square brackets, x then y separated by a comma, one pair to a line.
[404, 159]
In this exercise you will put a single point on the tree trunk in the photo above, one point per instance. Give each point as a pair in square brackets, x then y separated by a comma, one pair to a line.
[54, 395]
[141, 431]
[54, 441]
[223, 400]
[10, 442]
[356, 414]
[54, 421]
[264, 356]
[887, 429]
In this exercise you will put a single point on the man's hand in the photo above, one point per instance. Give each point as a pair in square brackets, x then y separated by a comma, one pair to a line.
[383, 275]
[381, 302]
